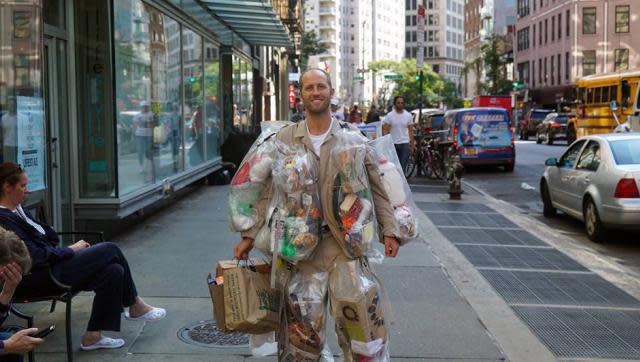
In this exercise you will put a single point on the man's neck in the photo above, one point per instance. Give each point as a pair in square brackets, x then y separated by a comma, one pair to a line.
[318, 124]
[399, 110]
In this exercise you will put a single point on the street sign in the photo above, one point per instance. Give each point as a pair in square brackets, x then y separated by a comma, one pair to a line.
[393, 76]
[358, 77]
[420, 38]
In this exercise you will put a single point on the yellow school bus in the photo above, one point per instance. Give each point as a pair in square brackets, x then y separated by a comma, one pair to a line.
[595, 93]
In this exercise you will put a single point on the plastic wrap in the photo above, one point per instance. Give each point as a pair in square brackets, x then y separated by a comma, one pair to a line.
[396, 187]
[263, 345]
[297, 216]
[303, 333]
[251, 178]
[357, 305]
[352, 196]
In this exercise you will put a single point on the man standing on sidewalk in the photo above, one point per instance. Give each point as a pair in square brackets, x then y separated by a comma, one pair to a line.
[332, 267]
[399, 123]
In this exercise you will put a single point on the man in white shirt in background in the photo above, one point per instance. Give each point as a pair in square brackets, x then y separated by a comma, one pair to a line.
[400, 124]
[334, 110]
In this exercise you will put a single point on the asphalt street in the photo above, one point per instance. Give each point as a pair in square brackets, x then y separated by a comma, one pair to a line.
[521, 189]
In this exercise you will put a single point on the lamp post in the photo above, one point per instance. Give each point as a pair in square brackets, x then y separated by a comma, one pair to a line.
[363, 70]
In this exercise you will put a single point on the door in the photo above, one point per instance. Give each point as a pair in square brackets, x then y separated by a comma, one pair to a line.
[586, 168]
[560, 177]
[57, 130]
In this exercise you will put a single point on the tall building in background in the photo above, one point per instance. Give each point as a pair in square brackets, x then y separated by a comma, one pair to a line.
[444, 34]
[355, 33]
[483, 18]
[559, 42]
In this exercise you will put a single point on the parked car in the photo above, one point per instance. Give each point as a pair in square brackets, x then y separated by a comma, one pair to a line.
[553, 127]
[596, 181]
[530, 121]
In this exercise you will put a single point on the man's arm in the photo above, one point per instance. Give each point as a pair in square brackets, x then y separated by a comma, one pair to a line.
[382, 204]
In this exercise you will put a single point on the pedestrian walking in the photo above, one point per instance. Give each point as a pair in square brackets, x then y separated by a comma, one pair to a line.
[355, 116]
[300, 113]
[398, 122]
[373, 115]
[335, 205]
[335, 113]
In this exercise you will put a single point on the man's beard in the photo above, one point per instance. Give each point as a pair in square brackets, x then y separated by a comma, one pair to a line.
[322, 108]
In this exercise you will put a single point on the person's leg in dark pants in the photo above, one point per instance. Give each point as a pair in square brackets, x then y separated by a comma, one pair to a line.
[103, 269]
[402, 150]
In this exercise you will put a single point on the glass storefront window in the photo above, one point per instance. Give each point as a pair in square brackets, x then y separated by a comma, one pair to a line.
[194, 142]
[148, 94]
[22, 120]
[237, 69]
[242, 95]
[95, 120]
[212, 100]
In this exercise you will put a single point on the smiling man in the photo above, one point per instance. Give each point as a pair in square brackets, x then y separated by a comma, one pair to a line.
[315, 278]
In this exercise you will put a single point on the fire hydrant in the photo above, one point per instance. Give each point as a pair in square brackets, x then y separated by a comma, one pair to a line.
[456, 170]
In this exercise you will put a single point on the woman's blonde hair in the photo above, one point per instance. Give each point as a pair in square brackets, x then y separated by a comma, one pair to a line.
[12, 248]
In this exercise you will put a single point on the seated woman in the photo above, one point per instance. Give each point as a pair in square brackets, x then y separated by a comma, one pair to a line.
[14, 261]
[100, 268]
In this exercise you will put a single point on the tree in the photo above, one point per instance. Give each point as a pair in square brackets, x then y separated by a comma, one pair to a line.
[434, 88]
[495, 66]
[309, 46]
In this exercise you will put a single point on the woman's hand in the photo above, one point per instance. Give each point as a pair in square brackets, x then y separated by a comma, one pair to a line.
[11, 275]
[242, 249]
[81, 244]
[22, 342]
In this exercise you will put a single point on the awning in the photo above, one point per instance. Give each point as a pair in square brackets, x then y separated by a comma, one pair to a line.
[254, 20]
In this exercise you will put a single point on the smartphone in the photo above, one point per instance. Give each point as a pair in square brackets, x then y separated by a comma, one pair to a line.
[44, 332]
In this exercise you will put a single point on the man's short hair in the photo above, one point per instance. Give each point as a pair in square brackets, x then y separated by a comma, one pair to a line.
[326, 75]
[12, 248]
[396, 99]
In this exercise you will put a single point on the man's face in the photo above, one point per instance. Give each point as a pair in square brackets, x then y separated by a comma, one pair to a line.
[334, 108]
[400, 104]
[316, 93]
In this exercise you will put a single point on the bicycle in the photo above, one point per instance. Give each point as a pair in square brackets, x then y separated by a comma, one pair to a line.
[427, 158]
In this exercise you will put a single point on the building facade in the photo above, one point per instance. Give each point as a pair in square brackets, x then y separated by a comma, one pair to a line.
[559, 42]
[356, 33]
[484, 18]
[443, 38]
[112, 105]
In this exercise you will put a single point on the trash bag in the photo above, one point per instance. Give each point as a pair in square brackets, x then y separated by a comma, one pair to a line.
[352, 198]
[396, 187]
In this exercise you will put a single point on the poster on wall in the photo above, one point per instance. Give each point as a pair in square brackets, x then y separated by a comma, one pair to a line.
[371, 130]
[31, 140]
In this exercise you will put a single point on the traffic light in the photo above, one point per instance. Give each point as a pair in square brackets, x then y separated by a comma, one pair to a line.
[418, 77]
[517, 85]
[192, 79]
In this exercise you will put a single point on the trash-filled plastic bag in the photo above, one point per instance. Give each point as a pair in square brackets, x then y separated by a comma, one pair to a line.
[396, 187]
[353, 201]
[297, 216]
[251, 178]
[263, 345]
[303, 331]
[357, 301]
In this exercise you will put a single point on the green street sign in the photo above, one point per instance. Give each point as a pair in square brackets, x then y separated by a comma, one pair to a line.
[358, 77]
[393, 76]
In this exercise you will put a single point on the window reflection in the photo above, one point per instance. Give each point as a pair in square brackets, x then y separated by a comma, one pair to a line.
[242, 95]
[212, 100]
[193, 94]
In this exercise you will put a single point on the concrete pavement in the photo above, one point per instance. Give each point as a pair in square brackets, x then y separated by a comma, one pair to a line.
[444, 309]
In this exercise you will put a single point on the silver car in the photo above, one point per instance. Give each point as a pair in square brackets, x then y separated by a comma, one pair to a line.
[596, 180]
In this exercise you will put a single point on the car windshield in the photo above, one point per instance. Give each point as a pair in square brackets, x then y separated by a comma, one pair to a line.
[561, 119]
[436, 121]
[626, 152]
[538, 115]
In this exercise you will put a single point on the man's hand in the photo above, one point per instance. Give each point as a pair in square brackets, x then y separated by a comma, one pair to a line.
[242, 249]
[391, 246]
[81, 244]
[22, 342]
[11, 275]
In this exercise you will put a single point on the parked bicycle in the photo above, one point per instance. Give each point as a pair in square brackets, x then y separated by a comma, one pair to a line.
[427, 157]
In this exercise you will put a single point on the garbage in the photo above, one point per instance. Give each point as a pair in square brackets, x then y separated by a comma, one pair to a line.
[526, 186]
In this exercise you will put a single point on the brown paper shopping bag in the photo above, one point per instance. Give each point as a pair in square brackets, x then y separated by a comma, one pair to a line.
[243, 299]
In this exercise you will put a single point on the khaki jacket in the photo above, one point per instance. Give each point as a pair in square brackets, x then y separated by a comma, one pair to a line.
[297, 135]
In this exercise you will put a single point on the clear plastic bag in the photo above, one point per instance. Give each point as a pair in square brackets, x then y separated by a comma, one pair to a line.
[297, 216]
[352, 197]
[263, 345]
[251, 179]
[357, 301]
[396, 187]
[303, 334]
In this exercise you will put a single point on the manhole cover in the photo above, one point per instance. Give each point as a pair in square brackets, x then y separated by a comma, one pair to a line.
[207, 334]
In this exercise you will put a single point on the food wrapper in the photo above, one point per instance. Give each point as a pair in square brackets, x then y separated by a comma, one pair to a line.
[303, 330]
[357, 305]
[353, 201]
[397, 188]
[251, 178]
[297, 216]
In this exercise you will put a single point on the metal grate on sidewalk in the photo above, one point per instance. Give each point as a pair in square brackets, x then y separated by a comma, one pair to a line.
[490, 256]
[491, 237]
[454, 207]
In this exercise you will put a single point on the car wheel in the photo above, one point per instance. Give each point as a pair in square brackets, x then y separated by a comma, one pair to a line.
[547, 210]
[509, 167]
[538, 138]
[549, 139]
[592, 222]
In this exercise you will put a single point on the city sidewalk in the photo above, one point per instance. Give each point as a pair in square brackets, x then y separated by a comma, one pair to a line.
[443, 306]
